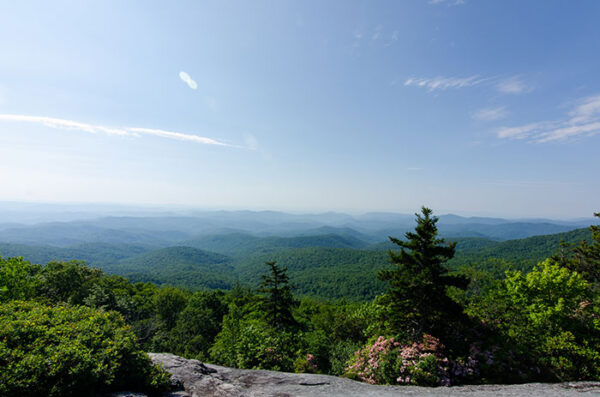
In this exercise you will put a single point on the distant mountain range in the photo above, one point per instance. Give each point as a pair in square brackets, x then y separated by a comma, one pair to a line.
[164, 229]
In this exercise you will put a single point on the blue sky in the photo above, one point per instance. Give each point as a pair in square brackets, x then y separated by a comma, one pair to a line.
[471, 107]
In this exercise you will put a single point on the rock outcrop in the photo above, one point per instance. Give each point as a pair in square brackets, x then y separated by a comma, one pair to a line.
[191, 378]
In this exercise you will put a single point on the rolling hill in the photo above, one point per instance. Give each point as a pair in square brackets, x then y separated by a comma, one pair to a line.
[240, 245]
[182, 266]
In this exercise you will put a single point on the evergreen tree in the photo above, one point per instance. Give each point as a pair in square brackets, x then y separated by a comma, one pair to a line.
[278, 302]
[416, 295]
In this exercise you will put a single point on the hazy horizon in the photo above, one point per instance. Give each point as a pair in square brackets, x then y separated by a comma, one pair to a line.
[151, 209]
[471, 108]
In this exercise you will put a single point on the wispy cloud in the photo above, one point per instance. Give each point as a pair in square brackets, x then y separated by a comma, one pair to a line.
[510, 85]
[563, 133]
[94, 128]
[444, 83]
[177, 135]
[588, 109]
[188, 80]
[63, 124]
[513, 85]
[583, 120]
[523, 131]
[490, 114]
[448, 2]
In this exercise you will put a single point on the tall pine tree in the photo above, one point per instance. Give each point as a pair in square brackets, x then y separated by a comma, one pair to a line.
[278, 300]
[416, 295]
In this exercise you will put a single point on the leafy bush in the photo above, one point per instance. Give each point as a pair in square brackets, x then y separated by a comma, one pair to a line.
[70, 351]
[246, 342]
[547, 326]
[556, 320]
[340, 355]
[18, 279]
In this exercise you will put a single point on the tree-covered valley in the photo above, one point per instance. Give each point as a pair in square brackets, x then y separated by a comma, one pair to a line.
[422, 308]
[328, 266]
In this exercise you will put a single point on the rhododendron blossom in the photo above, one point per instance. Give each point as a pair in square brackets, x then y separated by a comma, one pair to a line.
[386, 361]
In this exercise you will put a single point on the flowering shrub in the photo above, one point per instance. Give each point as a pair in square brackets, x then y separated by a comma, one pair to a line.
[375, 363]
[386, 361]
[423, 363]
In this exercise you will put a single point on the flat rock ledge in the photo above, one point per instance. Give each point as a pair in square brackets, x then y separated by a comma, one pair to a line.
[192, 378]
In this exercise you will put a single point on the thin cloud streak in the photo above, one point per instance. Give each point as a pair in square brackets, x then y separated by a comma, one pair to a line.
[568, 132]
[588, 109]
[443, 83]
[63, 124]
[584, 120]
[511, 85]
[450, 3]
[178, 136]
[92, 128]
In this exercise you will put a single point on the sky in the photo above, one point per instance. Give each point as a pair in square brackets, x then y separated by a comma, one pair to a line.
[470, 107]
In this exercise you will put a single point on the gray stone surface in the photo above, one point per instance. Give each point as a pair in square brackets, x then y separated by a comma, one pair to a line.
[200, 379]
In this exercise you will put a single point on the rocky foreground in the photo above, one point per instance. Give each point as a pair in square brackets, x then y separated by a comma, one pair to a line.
[191, 378]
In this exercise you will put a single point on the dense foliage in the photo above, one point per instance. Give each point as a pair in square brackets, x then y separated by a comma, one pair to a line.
[86, 329]
[314, 262]
[50, 344]
[70, 351]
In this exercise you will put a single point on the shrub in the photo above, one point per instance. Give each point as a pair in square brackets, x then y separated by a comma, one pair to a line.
[340, 355]
[70, 351]
[252, 344]
[545, 327]
[315, 355]
[386, 361]
[18, 279]
[556, 321]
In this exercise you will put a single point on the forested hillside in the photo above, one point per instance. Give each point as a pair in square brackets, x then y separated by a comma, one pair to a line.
[523, 253]
[243, 245]
[181, 266]
[329, 266]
